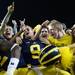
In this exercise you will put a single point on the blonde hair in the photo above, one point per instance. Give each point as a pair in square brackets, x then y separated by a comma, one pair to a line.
[56, 24]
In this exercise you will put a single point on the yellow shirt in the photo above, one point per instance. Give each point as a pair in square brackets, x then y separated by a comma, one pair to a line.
[66, 56]
[64, 41]
[36, 28]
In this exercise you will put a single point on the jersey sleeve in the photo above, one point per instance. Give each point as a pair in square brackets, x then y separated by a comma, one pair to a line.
[36, 28]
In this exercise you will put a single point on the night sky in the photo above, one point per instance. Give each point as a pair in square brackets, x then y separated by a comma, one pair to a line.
[37, 11]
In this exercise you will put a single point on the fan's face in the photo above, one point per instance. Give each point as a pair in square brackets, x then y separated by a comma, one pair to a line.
[28, 32]
[8, 32]
[53, 32]
[44, 32]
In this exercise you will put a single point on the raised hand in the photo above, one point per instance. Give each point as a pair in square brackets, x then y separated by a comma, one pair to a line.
[11, 8]
[15, 26]
[14, 22]
[22, 24]
[45, 23]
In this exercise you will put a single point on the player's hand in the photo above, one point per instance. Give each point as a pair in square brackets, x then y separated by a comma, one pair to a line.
[18, 40]
[11, 8]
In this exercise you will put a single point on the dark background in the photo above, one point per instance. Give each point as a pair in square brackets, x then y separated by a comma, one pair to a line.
[37, 11]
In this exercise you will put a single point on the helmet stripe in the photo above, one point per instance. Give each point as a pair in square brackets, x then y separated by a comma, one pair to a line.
[57, 56]
[50, 51]
[46, 49]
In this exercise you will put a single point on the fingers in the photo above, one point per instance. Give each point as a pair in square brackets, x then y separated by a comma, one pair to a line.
[24, 20]
[11, 7]
[45, 23]
[14, 22]
[13, 4]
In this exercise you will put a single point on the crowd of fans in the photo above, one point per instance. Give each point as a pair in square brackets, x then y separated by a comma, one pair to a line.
[46, 49]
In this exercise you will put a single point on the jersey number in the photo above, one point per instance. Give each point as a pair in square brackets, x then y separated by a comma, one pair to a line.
[35, 51]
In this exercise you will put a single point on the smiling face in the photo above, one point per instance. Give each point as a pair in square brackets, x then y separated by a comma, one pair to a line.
[8, 32]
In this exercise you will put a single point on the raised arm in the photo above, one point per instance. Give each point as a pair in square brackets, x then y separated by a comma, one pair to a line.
[22, 28]
[15, 26]
[6, 18]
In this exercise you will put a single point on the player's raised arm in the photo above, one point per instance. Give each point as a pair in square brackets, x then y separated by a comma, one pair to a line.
[6, 18]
